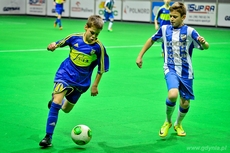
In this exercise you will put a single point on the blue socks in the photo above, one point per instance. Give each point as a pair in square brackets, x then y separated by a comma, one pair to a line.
[58, 21]
[52, 118]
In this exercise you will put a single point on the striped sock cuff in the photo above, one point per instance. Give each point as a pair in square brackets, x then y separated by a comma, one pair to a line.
[169, 103]
[182, 110]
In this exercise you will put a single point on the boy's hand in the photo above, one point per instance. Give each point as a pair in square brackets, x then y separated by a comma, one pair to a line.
[94, 91]
[201, 40]
[139, 62]
[52, 46]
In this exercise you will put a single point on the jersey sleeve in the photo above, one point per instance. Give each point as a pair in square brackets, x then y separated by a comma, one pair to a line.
[195, 35]
[65, 42]
[158, 35]
[102, 59]
[106, 2]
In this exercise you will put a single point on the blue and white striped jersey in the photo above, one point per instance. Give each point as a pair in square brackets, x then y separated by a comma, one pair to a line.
[178, 48]
[109, 4]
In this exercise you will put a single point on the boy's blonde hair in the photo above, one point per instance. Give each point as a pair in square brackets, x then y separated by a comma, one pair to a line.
[95, 21]
[179, 7]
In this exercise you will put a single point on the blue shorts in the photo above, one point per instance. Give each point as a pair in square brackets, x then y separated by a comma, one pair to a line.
[59, 11]
[73, 93]
[108, 16]
[185, 86]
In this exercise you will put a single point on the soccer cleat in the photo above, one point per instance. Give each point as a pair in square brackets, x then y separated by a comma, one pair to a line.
[46, 142]
[60, 28]
[164, 129]
[162, 54]
[55, 24]
[110, 30]
[180, 131]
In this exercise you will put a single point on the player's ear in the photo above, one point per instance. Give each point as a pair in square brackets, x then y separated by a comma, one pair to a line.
[86, 27]
[183, 17]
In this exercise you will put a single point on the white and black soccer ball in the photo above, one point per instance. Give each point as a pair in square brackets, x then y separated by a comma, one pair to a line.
[81, 134]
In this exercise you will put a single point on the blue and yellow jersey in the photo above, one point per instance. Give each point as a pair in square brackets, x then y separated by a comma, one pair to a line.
[77, 69]
[163, 15]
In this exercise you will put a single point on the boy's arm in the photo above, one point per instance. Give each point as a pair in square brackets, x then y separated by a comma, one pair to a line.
[146, 46]
[156, 19]
[61, 43]
[156, 24]
[203, 43]
[94, 89]
[106, 8]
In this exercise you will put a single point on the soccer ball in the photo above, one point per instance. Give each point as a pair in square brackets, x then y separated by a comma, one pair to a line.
[81, 134]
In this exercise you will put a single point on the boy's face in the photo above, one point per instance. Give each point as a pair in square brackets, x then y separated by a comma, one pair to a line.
[176, 19]
[91, 34]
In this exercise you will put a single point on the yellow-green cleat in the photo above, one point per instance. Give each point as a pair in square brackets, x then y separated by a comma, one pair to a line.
[180, 131]
[164, 129]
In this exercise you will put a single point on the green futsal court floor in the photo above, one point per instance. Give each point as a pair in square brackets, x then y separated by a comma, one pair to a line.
[127, 114]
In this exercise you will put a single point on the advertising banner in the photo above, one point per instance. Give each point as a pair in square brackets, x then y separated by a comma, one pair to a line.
[223, 18]
[81, 8]
[12, 7]
[200, 13]
[36, 7]
[116, 9]
[136, 10]
[51, 8]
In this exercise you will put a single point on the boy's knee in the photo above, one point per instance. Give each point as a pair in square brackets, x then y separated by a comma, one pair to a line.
[173, 94]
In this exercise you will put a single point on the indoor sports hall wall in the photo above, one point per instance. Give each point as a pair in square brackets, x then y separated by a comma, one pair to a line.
[199, 12]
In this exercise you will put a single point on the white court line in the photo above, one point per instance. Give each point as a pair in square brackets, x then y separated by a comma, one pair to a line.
[39, 50]
[12, 23]
[131, 46]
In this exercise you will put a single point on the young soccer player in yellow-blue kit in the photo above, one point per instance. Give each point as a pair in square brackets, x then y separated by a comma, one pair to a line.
[73, 77]
[59, 8]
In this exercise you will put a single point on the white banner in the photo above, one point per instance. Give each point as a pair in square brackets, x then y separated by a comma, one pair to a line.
[36, 7]
[223, 15]
[81, 8]
[12, 7]
[116, 9]
[51, 8]
[200, 13]
[136, 10]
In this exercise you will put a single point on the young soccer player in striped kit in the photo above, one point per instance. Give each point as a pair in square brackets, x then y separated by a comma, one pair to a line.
[108, 13]
[179, 41]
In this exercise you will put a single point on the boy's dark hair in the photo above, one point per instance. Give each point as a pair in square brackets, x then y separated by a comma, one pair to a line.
[95, 21]
[179, 7]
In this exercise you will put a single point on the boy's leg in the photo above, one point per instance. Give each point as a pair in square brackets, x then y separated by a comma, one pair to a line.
[186, 93]
[172, 85]
[111, 18]
[52, 118]
[183, 110]
[71, 99]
